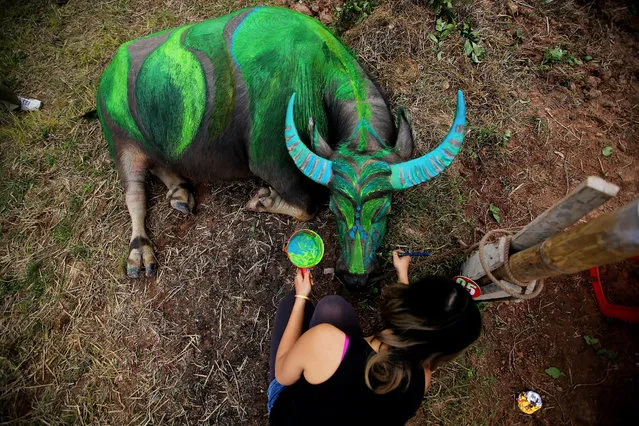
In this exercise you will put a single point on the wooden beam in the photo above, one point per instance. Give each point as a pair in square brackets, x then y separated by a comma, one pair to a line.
[606, 239]
[582, 200]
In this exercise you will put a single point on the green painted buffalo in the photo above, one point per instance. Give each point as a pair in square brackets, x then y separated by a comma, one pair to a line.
[263, 92]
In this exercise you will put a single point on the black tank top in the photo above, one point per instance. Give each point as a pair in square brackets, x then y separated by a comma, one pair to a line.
[344, 399]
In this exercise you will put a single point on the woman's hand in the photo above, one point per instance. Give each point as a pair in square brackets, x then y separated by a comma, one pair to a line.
[401, 266]
[303, 282]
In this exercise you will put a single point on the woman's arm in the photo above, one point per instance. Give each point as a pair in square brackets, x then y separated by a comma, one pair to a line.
[294, 326]
[401, 266]
[428, 373]
[316, 353]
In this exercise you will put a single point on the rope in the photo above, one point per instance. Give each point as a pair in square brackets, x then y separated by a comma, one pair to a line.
[509, 275]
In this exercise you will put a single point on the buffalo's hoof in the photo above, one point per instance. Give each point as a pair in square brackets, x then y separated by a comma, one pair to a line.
[141, 256]
[269, 201]
[181, 207]
[261, 201]
[181, 198]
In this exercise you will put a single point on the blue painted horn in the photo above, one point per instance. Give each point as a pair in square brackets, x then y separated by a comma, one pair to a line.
[422, 169]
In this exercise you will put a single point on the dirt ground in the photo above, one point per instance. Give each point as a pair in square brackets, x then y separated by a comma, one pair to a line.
[82, 344]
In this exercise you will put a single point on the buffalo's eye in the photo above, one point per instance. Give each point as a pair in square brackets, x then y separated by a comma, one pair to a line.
[341, 207]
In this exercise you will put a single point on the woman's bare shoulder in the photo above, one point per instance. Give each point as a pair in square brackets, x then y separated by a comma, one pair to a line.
[324, 346]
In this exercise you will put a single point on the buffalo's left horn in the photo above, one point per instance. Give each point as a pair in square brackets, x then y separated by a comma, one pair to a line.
[413, 172]
[312, 165]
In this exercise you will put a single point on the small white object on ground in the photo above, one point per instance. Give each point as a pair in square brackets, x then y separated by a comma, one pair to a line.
[29, 104]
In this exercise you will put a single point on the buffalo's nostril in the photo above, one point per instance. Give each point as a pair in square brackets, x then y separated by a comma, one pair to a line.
[353, 282]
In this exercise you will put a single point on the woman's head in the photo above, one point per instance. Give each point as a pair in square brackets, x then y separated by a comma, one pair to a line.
[431, 320]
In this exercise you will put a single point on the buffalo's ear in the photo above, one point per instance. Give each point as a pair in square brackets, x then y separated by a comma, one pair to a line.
[404, 144]
[320, 146]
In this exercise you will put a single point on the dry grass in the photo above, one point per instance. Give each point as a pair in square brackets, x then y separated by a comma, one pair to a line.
[392, 43]
[79, 343]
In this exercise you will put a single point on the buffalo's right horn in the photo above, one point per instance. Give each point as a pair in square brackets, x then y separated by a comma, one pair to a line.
[413, 172]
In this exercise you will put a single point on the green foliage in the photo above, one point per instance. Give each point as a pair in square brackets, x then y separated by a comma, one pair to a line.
[560, 56]
[494, 212]
[506, 137]
[554, 372]
[162, 20]
[487, 141]
[472, 49]
[442, 30]
[607, 354]
[440, 6]
[353, 12]
[554, 56]
[591, 341]
[518, 36]
[606, 151]
[483, 306]
[446, 24]
[49, 159]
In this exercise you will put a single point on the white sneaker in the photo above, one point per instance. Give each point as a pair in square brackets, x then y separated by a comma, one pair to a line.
[29, 104]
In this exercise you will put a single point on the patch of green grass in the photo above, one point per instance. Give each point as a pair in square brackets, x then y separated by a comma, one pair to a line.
[12, 192]
[75, 203]
[36, 279]
[49, 159]
[162, 20]
[10, 285]
[80, 251]
[486, 141]
[518, 36]
[440, 6]
[63, 232]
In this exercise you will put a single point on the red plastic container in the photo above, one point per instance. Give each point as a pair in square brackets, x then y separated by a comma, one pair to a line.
[624, 313]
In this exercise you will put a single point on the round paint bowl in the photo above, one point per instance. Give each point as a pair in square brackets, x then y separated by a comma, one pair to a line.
[305, 248]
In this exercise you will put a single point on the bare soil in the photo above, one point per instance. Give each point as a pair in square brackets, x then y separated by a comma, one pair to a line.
[618, 281]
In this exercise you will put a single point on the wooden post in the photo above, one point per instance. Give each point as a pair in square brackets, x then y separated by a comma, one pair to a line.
[582, 200]
[609, 238]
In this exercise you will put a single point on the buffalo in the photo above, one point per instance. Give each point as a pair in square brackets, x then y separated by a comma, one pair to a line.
[264, 92]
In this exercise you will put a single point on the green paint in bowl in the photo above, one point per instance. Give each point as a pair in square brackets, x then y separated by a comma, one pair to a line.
[305, 248]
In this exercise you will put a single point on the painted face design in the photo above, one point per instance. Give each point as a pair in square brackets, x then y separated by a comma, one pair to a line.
[361, 195]
[361, 186]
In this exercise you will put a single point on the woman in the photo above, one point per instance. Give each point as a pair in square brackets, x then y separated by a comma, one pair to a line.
[324, 371]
